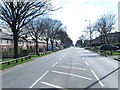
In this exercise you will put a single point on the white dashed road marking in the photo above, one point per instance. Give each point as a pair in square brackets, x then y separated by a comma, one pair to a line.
[97, 78]
[55, 64]
[72, 75]
[52, 85]
[60, 59]
[71, 67]
[70, 63]
[38, 79]
[87, 63]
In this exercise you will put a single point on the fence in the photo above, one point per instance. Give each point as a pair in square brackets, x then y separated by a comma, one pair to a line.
[17, 59]
[23, 58]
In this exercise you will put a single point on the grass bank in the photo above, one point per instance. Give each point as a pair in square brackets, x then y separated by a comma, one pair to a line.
[104, 52]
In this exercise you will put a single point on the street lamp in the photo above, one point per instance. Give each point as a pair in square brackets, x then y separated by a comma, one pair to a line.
[89, 27]
[89, 21]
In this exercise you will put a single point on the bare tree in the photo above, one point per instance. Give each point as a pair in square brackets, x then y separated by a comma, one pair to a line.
[58, 34]
[104, 25]
[99, 28]
[64, 38]
[89, 31]
[35, 29]
[55, 26]
[18, 13]
[46, 34]
[50, 33]
[82, 38]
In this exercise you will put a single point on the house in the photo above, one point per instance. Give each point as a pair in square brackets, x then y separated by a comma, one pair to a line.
[112, 37]
[7, 44]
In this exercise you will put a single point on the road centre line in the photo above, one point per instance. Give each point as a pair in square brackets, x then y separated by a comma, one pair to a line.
[52, 85]
[60, 59]
[97, 78]
[71, 75]
[82, 58]
[54, 64]
[87, 63]
[71, 67]
[64, 55]
[38, 79]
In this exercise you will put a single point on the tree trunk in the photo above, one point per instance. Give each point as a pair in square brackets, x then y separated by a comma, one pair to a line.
[108, 43]
[101, 38]
[52, 44]
[107, 39]
[37, 52]
[47, 44]
[104, 40]
[90, 39]
[56, 44]
[15, 38]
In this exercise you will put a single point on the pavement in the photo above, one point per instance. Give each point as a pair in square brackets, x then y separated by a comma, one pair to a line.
[68, 68]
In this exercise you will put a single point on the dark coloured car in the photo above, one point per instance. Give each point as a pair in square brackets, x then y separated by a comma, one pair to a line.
[108, 47]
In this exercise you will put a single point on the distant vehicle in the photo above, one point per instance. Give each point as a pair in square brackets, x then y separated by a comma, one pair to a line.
[108, 47]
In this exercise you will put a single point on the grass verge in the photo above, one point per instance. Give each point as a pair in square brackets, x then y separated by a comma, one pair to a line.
[104, 53]
[34, 55]
[13, 63]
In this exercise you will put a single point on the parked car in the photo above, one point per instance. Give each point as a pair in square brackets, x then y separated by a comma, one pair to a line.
[108, 47]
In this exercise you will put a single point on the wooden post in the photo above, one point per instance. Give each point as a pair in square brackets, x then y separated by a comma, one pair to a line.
[16, 60]
[8, 63]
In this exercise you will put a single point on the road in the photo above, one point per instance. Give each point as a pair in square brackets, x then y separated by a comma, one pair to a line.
[68, 68]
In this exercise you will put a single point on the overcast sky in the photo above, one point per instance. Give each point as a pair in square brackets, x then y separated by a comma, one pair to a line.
[74, 13]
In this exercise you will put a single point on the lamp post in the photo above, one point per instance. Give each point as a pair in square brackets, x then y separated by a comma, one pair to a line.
[89, 27]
